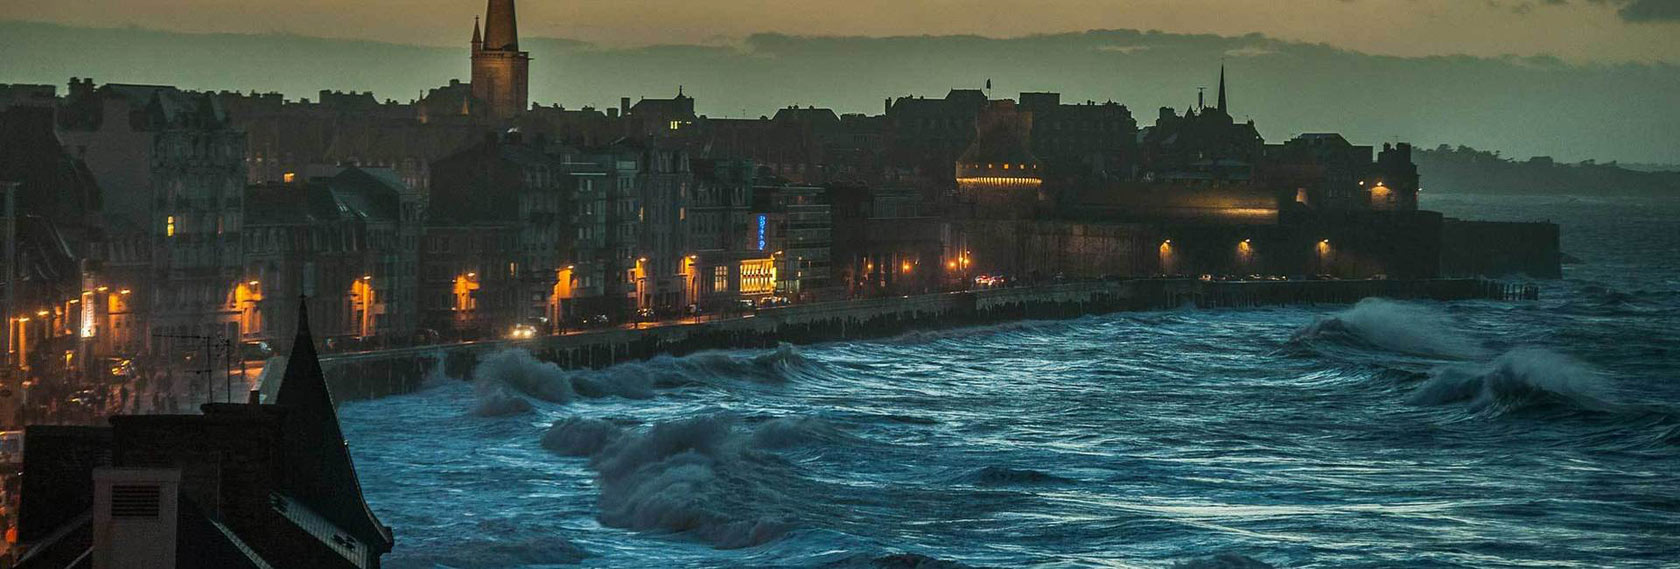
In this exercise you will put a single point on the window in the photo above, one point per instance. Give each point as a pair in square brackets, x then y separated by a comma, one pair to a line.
[758, 276]
[169, 226]
[720, 279]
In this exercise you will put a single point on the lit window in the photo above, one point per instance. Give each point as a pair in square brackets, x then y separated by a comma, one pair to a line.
[169, 226]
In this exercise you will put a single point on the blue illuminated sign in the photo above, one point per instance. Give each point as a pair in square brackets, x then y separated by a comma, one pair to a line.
[763, 228]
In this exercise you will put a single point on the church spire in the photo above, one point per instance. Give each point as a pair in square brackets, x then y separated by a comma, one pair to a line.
[1222, 108]
[501, 26]
[478, 39]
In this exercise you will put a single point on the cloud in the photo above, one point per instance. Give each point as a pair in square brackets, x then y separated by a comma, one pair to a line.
[1645, 10]
[1637, 11]
[1523, 105]
[1651, 11]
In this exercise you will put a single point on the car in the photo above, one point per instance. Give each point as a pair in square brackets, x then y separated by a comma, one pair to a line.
[255, 351]
[345, 343]
[426, 336]
[522, 332]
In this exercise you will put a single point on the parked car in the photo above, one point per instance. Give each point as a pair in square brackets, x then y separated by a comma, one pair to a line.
[255, 351]
[426, 336]
[345, 343]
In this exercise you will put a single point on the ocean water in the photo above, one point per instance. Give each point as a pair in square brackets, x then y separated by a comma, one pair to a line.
[1386, 434]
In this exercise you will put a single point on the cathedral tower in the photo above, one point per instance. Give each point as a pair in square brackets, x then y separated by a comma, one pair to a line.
[500, 72]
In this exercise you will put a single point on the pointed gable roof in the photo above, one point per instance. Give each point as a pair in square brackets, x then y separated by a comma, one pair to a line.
[319, 471]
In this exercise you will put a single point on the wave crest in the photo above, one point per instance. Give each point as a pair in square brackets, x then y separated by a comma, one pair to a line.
[1382, 324]
[576, 436]
[1523, 378]
[707, 477]
[492, 399]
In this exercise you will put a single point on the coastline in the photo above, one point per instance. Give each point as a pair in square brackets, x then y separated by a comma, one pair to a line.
[375, 374]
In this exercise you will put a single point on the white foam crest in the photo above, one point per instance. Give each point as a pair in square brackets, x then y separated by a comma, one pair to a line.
[1519, 378]
[707, 477]
[520, 370]
[493, 399]
[437, 374]
[1395, 326]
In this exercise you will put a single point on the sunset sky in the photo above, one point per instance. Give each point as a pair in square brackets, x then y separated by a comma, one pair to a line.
[1574, 30]
[1571, 79]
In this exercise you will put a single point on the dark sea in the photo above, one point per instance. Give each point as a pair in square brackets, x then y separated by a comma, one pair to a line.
[1385, 434]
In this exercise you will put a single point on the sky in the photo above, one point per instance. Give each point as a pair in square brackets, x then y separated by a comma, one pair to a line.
[1570, 79]
[1572, 30]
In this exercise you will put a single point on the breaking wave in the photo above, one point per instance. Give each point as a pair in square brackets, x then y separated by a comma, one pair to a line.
[521, 371]
[493, 399]
[1524, 378]
[709, 477]
[1387, 325]
[576, 436]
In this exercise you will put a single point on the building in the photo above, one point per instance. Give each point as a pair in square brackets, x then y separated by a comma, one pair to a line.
[798, 228]
[879, 232]
[500, 72]
[59, 321]
[724, 235]
[172, 172]
[262, 485]
[346, 238]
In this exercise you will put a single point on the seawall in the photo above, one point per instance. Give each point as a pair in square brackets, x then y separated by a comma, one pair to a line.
[389, 372]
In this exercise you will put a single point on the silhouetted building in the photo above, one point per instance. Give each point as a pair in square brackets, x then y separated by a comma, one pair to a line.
[172, 171]
[723, 233]
[798, 230]
[348, 239]
[259, 485]
[998, 176]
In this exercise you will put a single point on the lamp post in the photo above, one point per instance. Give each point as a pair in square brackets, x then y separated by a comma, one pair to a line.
[11, 266]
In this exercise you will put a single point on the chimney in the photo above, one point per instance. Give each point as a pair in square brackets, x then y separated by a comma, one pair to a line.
[134, 517]
[624, 106]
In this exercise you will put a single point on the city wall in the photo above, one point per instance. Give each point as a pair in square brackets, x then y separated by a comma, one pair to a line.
[390, 372]
[1497, 249]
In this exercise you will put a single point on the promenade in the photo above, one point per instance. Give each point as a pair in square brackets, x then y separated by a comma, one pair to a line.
[371, 374]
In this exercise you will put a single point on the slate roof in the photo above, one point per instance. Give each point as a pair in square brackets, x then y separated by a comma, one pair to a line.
[321, 473]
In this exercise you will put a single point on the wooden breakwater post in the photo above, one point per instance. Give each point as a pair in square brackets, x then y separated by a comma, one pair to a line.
[396, 371]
